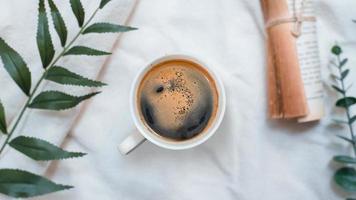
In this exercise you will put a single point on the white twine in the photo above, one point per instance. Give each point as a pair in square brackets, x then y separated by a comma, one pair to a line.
[298, 19]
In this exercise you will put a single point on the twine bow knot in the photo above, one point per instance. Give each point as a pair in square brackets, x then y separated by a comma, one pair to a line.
[297, 19]
[297, 31]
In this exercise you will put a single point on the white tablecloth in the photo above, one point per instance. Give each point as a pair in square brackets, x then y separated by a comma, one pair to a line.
[249, 158]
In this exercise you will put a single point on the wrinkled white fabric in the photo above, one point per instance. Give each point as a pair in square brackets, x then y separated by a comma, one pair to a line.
[249, 158]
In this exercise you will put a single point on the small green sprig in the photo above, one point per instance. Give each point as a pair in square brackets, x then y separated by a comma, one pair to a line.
[20, 183]
[345, 177]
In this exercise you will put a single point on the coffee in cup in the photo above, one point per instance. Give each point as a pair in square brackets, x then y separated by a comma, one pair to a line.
[177, 100]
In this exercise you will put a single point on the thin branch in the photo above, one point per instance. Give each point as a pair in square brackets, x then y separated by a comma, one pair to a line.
[347, 109]
[32, 94]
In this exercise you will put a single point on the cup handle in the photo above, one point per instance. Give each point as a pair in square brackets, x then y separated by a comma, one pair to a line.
[131, 143]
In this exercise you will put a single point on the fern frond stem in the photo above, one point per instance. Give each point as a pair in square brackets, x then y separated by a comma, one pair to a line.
[41, 79]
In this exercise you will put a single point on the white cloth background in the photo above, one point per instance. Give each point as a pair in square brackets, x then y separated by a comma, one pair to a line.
[249, 158]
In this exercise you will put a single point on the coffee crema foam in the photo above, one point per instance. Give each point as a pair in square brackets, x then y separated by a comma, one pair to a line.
[177, 99]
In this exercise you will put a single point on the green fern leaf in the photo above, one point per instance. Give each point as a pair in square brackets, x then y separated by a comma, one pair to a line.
[41, 150]
[58, 22]
[16, 67]
[78, 11]
[55, 100]
[81, 50]
[22, 184]
[103, 3]
[44, 40]
[63, 76]
[3, 126]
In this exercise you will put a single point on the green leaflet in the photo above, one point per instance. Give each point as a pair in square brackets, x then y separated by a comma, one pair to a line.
[352, 119]
[3, 126]
[78, 11]
[343, 62]
[16, 67]
[345, 138]
[103, 3]
[107, 28]
[336, 50]
[346, 102]
[58, 22]
[44, 40]
[38, 149]
[63, 76]
[344, 74]
[55, 100]
[344, 159]
[338, 89]
[22, 184]
[346, 178]
[81, 50]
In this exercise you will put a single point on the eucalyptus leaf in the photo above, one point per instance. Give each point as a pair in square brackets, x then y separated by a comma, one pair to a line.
[55, 100]
[63, 76]
[81, 50]
[78, 11]
[338, 89]
[343, 62]
[352, 119]
[58, 22]
[16, 67]
[107, 28]
[44, 40]
[103, 3]
[22, 184]
[345, 159]
[3, 126]
[346, 178]
[350, 199]
[38, 149]
[345, 138]
[346, 102]
[336, 50]
[344, 74]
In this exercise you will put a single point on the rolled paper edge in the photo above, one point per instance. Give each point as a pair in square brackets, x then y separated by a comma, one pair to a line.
[316, 113]
[279, 104]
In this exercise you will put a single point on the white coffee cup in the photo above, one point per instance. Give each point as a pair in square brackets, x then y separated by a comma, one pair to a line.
[144, 133]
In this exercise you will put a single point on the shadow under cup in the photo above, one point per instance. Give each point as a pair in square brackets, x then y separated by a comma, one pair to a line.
[178, 101]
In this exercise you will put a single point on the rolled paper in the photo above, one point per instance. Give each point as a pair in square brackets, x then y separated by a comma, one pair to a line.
[286, 95]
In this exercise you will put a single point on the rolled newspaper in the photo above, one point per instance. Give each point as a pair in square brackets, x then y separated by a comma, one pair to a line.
[293, 70]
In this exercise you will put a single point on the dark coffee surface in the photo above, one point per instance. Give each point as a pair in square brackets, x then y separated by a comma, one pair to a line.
[177, 99]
